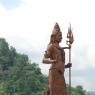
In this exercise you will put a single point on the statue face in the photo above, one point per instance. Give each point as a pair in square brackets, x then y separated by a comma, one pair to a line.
[59, 37]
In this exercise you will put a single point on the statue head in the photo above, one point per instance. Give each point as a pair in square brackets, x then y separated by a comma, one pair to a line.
[56, 35]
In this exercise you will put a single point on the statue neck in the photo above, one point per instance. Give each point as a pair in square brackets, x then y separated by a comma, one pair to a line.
[56, 43]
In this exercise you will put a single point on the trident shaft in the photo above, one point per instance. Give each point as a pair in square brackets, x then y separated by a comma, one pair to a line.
[69, 42]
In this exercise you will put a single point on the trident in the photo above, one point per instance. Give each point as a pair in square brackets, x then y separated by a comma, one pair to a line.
[69, 42]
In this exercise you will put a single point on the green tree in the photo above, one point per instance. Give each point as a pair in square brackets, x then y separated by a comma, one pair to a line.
[4, 54]
[7, 54]
[19, 76]
[25, 79]
[78, 90]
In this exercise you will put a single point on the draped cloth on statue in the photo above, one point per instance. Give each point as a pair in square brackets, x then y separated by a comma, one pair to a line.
[57, 84]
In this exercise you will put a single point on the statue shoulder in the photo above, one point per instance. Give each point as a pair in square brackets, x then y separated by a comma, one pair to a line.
[50, 47]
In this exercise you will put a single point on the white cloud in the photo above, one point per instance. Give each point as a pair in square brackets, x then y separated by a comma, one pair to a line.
[2, 10]
[84, 81]
[91, 55]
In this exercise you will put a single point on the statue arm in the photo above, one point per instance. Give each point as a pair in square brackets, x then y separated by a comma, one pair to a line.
[47, 56]
[48, 61]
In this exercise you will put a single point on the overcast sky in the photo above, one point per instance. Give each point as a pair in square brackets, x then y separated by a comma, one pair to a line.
[27, 26]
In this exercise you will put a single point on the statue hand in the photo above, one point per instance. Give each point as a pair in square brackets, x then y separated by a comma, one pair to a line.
[53, 61]
[48, 61]
[68, 65]
[69, 46]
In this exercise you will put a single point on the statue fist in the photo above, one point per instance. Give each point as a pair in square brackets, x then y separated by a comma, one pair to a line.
[68, 65]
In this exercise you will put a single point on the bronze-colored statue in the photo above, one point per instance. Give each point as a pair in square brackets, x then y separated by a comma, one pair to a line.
[55, 56]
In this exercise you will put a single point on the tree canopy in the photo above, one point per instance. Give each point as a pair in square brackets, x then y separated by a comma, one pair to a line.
[17, 75]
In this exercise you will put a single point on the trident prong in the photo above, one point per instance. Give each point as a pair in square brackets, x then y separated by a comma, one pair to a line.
[70, 36]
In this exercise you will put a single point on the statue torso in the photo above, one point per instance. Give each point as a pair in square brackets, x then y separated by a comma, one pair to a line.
[58, 54]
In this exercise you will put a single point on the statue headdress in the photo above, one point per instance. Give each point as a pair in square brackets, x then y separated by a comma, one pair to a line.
[56, 29]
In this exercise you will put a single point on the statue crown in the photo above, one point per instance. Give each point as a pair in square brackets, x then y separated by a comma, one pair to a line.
[56, 29]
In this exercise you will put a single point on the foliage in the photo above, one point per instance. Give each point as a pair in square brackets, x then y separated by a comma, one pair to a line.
[17, 75]
[78, 90]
